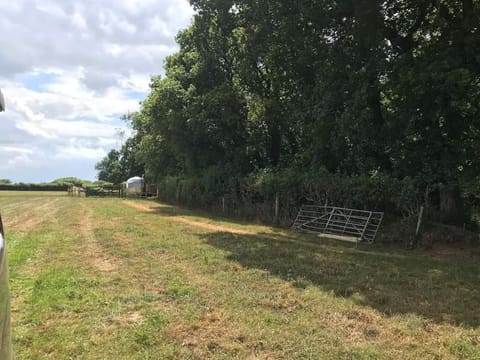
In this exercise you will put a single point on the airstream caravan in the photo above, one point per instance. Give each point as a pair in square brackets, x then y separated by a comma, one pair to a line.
[135, 186]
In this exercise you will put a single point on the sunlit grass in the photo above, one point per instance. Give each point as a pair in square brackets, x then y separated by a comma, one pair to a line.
[98, 279]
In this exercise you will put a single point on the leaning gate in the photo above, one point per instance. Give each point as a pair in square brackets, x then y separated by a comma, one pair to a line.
[359, 224]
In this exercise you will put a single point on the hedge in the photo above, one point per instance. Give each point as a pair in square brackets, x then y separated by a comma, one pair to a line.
[253, 197]
[34, 187]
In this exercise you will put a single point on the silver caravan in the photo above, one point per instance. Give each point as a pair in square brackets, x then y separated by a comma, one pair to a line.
[135, 186]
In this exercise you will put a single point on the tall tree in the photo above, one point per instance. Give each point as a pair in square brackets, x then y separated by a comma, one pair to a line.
[109, 168]
[358, 87]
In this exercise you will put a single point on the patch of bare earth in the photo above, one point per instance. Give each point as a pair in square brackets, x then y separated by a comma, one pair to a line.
[93, 251]
[213, 331]
[200, 224]
[453, 252]
[131, 317]
[447, 253]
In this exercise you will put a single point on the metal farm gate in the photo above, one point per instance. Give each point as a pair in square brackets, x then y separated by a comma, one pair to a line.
[360, 224]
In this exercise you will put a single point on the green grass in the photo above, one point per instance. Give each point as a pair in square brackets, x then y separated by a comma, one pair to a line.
[98, 279]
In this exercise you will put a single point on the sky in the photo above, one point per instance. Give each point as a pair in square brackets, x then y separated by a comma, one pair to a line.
[69, 70]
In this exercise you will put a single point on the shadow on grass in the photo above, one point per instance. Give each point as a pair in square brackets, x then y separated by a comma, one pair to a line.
[175, 210]
[391, 281]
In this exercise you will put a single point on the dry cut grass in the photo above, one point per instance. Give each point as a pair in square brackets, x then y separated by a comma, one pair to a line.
[116, 279]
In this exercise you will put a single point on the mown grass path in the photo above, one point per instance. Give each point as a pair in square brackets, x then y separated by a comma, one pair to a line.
[116, 279]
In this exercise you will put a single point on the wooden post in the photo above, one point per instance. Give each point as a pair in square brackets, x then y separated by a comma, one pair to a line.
[223, 204]
[427, 192]
[277, 206]
[419, 221]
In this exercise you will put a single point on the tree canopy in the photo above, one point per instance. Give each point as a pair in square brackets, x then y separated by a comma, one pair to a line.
[355, 87]
[119, 165]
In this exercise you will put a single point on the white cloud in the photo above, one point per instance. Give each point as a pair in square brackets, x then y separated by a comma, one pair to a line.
[78, 152]
[20, 160]
[53, 129]
[69, 70]
[13, 149]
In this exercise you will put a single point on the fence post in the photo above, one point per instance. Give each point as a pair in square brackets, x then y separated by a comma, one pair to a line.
[419, 221]
[277, 206]
[223, 204]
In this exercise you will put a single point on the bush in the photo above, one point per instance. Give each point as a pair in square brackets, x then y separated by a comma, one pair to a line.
[254, 196]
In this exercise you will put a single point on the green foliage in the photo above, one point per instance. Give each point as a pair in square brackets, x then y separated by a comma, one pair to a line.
[72, 180]
[465, 349]
[254, 196]
[381, 96]
[120, 165]
[60, 184]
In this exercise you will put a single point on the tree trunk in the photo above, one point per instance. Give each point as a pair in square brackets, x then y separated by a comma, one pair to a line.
[275, 144]
[451, 205]
[274, 118]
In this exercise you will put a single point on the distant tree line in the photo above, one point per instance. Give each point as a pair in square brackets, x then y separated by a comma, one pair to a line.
[61, 184]
[33, 187]
[316, 99]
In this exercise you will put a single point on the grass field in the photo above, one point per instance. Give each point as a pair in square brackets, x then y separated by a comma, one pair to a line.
[120, 279]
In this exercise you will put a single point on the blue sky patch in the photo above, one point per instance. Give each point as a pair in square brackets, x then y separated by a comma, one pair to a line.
[137, 95]
[37, 81]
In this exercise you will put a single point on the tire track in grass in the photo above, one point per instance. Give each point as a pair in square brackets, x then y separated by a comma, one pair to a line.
[96, 255]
